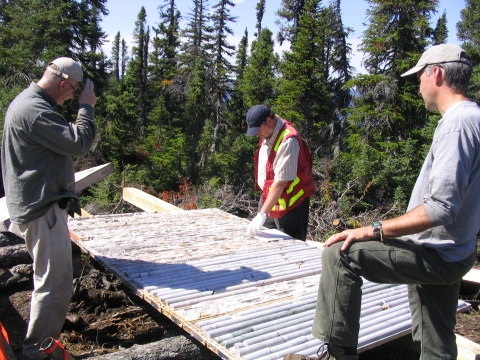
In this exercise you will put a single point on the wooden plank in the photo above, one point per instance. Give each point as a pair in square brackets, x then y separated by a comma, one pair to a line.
[146, 202]
[472, 276]
[4, 215]
[83, 179]
[467, 350]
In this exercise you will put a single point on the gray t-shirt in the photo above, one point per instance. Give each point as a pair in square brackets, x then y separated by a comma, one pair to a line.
[37, 149]
[449, 184]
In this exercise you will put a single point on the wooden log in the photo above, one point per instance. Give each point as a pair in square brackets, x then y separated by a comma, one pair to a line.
[14, 255]
[178, 347]
[146, 202]
[83, 179]
[15, 274]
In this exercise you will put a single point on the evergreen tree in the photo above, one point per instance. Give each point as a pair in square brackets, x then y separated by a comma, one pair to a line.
[303, 97]
[440, 33]
[191, 84]
[116, 57]
[196, 110]
[260, 12]
[385, 138]
[124, 58]
[289, 15]
[259, 77]
[221, 81]
[197, 34]
[136, 78]
[32, 34]
[338, 53]
[469, 33]
[236, 105]
[164, 64]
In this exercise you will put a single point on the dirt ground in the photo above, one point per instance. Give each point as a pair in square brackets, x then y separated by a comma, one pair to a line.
[113, 319]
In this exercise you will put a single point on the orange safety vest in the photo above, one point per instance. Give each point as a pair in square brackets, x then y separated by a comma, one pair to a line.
[296, 191]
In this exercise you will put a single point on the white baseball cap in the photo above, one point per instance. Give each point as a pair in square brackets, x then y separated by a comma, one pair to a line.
[438, 54]
[67, 68]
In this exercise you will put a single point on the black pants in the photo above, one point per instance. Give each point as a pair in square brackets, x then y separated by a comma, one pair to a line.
[294, 222]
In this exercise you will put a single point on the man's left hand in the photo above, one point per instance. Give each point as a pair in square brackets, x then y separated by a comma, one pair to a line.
[351, 235]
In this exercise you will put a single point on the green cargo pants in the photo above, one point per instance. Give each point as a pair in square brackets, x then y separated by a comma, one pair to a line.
[433, 289]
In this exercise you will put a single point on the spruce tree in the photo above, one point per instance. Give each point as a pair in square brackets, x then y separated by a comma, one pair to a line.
[259, 77]
[260, 12]
[303, 97]
[289, 17]
[385, 122]
[469, 33]
[116, 57]
[136, 77]
[440, 33]
[236, 105]
[164, 63]
[221, 80]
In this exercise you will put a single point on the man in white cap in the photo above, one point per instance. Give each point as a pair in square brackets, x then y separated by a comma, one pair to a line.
[430, 247]
[283, 171]
[38, 176]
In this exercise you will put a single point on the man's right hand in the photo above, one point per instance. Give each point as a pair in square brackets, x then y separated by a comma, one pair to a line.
[256, 224]
[88, 96]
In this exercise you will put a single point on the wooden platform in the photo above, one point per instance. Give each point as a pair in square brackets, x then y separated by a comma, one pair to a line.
[241, 297]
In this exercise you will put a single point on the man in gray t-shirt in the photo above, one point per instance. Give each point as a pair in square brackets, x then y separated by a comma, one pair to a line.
[38, 177]
[438, 232]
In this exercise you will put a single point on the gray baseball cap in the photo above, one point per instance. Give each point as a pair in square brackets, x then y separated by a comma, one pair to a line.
[67, 68]
[438, 54]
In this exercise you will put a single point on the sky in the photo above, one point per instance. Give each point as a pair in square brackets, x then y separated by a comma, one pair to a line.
[123, 14]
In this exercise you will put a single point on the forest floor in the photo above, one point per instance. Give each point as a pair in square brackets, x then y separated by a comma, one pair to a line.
[113, 319]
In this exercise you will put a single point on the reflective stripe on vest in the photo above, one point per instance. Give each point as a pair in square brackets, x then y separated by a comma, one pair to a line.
[281, 205]
[280, 138]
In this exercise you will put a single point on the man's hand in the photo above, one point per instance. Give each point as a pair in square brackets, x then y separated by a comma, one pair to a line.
[351, 235]
[88, 96]
[256, 223]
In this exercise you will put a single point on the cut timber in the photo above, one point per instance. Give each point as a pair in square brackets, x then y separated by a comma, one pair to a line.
[467, 350]
[4, 215]
[472, 276]
[83, 179]
[146, 202]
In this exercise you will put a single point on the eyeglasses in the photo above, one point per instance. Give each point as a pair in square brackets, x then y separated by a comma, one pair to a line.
[80, 86]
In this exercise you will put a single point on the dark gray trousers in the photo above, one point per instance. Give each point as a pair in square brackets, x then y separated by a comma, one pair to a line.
[433, 287]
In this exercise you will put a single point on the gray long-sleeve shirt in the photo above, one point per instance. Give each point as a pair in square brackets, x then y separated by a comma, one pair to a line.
[449, 184]
[37, 149]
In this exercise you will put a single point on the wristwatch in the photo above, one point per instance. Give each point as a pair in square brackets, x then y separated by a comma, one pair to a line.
[377, 230]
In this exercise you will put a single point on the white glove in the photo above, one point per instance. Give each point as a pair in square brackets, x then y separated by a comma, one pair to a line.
[256, 223]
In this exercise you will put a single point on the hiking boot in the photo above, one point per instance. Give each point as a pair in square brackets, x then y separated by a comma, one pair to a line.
[325, 352]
